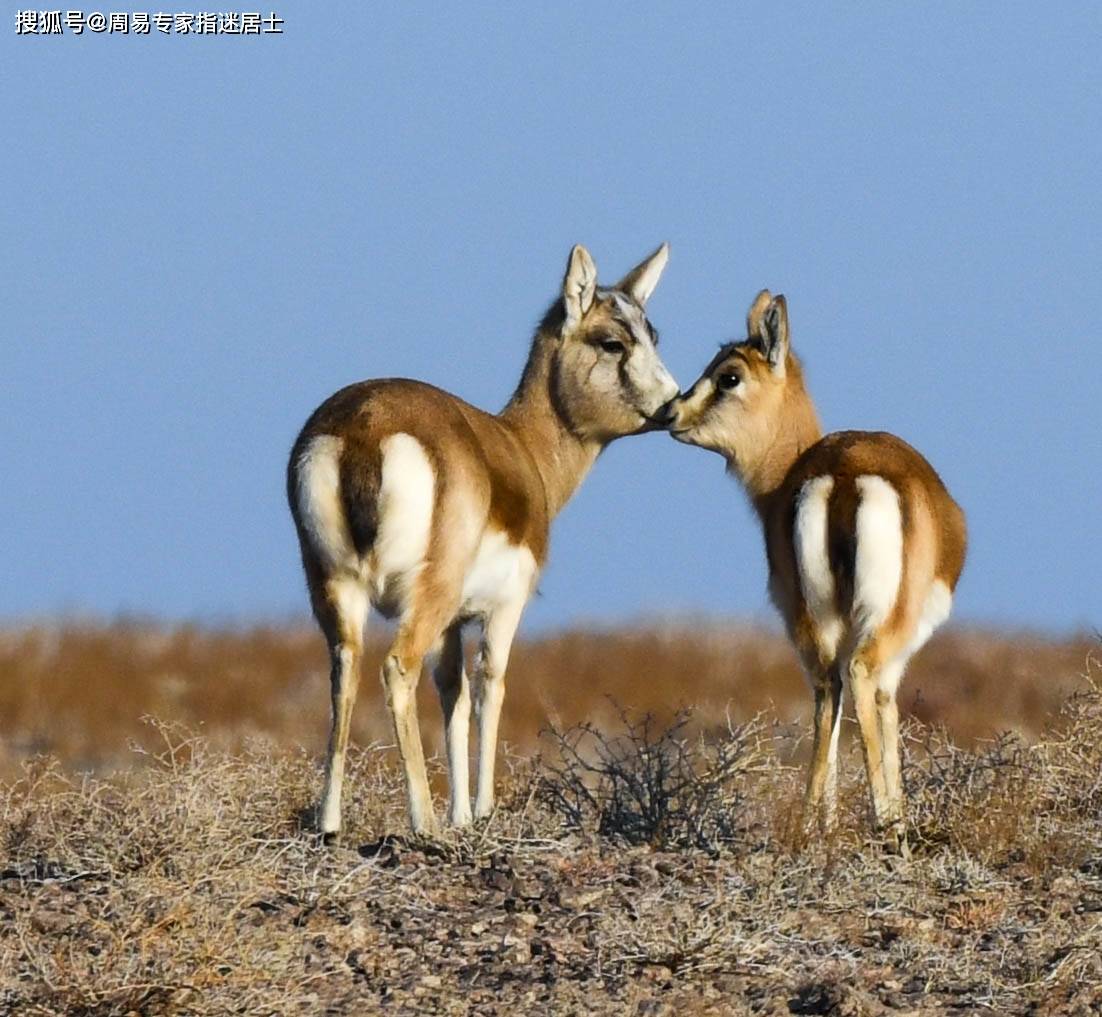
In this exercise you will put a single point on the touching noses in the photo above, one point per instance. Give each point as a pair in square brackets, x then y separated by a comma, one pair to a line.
[667, 415]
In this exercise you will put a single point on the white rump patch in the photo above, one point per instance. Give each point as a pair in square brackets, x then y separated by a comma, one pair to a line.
[317, 494]
[406, 500]
[939, 602]
[878, 568]
[935, 610]
[813, 562]
[501, 573]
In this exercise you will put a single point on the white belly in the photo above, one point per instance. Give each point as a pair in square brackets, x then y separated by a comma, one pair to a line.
[500, 574]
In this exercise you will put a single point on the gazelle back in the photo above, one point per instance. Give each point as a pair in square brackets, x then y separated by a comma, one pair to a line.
[865, 545]
[408, 499]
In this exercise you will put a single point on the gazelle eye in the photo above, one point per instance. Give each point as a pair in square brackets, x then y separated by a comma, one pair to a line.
[728, 381]
[612, 346]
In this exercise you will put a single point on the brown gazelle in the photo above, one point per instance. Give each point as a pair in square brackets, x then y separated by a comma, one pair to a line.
[436, 513]
[864, 544]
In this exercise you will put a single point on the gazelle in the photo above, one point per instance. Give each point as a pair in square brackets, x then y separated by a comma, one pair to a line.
[436, 513]
[863, 541]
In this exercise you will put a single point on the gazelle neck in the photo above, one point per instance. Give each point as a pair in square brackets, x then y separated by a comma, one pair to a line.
[561, 457]
[795, 430]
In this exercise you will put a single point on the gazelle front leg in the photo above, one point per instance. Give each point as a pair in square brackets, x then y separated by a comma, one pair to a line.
[493, 657]
[450, 677]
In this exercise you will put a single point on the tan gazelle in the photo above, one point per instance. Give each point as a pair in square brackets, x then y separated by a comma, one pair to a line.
[864, 544]
[408, 499]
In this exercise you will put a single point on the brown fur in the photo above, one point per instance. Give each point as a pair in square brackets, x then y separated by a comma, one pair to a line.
[494, 457]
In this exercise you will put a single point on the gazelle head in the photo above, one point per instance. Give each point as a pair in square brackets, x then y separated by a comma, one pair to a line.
[750, 394]
[607, 378]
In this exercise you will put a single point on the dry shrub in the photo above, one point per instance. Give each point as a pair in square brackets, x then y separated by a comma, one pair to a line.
[1008, 799]
[1073, 755]
[967, 800]
[655, 785]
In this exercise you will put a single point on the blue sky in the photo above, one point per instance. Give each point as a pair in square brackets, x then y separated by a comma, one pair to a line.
[201, 238]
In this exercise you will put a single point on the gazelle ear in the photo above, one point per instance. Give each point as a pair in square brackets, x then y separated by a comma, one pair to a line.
[756, 313]
[640, 282]
[774, 333]
[578, 287]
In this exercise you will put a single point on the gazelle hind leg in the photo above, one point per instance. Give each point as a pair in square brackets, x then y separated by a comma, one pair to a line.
[453, 688]
[431, 610]
[927, 607]
[863, 687]
[342, 613]
[888, 714]
[400, 675]
[493, 657]
[878, 585]
[822, 784]
[830, 788]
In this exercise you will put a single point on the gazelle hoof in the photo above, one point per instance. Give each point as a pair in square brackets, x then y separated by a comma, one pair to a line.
[895, 839]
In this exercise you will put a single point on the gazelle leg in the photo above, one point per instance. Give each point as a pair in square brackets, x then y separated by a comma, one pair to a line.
[830, 791]
[828, 691]
[888, 712]
[342, 614]
[822, 783]
[400, 676]
[455, 701]
[863, 685]
[497, 640]
[401, 672]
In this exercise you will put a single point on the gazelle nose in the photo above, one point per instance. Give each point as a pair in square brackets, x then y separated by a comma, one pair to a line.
[668, 413]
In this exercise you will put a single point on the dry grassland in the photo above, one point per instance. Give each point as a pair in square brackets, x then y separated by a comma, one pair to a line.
[633, 867]
[80, 692]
